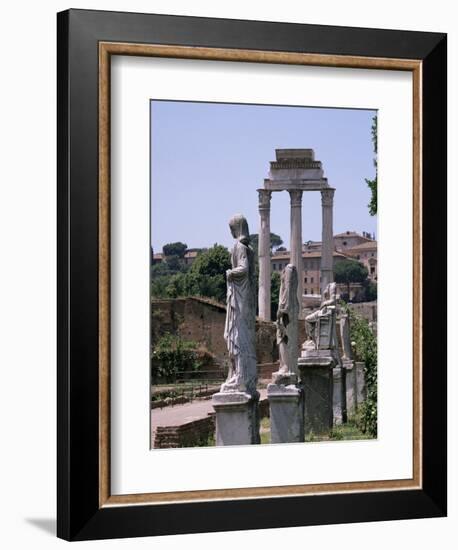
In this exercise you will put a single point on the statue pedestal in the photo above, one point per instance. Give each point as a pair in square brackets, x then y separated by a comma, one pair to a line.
[350, 383]
[237, 418]
[339, 399]
[316, 377]
[286, 405]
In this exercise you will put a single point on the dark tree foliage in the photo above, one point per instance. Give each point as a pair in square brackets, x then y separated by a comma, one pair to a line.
[350, 271]
[274, 294]
[275, 241]
[373, 183]
[175, 249]
[174, 263]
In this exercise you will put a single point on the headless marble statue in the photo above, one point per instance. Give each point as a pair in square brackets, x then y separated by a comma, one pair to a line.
[239, 331]
[287, 327]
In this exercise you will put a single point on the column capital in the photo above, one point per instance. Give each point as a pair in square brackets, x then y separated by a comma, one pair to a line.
[295, 197]
[327, 197]
[264, 196]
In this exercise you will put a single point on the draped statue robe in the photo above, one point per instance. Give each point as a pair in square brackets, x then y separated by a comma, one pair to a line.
[240, 326]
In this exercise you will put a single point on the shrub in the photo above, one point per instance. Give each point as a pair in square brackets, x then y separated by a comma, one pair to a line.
[364, 345]
[171, 355]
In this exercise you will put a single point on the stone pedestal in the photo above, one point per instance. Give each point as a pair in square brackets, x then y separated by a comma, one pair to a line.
[286, 405]
[361, 392]
[237, 418]
[350, 382]
[339, 399]
[316, 379]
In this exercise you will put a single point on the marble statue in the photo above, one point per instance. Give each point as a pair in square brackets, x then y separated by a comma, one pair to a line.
[240, 327]
[287, 327]
[321, 324]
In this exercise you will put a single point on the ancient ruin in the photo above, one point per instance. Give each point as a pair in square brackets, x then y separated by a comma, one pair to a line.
[295, 171]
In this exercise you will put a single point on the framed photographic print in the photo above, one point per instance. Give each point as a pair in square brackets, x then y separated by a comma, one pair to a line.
[250, 334]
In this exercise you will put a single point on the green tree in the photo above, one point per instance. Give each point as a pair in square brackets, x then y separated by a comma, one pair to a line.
[370, 290]
[350, 271]
[275, 241]
[207, 276]
[159, 286]
[174, 263]
[159, 270]
[175, 249]
[176, 285]
[372, 184]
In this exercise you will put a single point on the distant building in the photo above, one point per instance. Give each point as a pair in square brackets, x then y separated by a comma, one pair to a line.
[366, 253]
[349, 239]
[158, 258]
[188, 258]
[311, 267]
[348, 246]
[191, 255]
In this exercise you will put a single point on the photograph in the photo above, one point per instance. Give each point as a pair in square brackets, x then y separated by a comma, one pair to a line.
[249, 332]
[263, 274]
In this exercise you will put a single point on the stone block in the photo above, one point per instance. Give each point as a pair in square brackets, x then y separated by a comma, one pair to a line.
[286, 413]
[237, 418]
[316, 379]
[339, 399]
[350, 382]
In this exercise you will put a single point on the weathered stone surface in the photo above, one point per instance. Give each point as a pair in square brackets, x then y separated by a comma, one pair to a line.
[296, 239]
[316, 379]
[344, 333]
[286, 413]
[239, 330]
[321, 324]
[339, 396]
[327, 201]
[296, 164]
[350, 382]
[287, 327]
[237, 418]
[264, 255]
[361, 392]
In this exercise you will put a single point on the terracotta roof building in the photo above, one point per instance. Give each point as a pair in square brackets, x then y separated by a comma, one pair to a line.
[311, 267]
[366, 253]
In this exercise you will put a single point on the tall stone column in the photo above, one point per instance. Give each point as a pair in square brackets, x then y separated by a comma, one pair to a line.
[296, 241]
[264, 254]
[327, 237]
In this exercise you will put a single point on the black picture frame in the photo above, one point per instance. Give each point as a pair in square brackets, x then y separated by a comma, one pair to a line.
[79, 514]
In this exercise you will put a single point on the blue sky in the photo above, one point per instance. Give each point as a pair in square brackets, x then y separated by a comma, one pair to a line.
[208, 159]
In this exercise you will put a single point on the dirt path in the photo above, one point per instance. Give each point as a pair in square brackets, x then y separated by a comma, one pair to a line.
[180, 414]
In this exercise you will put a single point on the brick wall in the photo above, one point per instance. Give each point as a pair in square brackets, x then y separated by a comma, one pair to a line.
[191, 434]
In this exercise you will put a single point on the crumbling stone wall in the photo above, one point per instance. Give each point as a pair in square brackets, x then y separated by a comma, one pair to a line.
[367, 310]
[202, 320]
